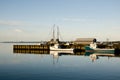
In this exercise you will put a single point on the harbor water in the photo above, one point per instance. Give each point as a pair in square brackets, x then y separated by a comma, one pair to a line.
[31, 66]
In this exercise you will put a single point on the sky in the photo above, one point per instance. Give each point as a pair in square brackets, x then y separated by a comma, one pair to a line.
[33, 20]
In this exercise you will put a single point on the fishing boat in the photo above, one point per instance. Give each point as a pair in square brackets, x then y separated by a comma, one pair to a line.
[56, 44]
[56, 47]
[93, 48]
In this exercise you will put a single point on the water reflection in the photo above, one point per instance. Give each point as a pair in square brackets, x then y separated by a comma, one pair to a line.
[27, 65]
[56, 54]
[95, 56]
[31, 51]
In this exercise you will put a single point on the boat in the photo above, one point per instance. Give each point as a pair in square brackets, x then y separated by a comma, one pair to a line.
[93, 48]
[56, 47]
[56, 44]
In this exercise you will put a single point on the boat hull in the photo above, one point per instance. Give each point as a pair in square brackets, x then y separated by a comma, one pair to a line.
[98, 50]
[56, 48]
[53, 49]
[104, 50]
[60, 49]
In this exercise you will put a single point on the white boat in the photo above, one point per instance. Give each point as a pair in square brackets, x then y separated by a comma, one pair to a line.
[93, 48]
[57, 48]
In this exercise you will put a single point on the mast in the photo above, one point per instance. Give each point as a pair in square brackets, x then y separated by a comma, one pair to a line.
[57, 32]
[54, 32]
[54, 37]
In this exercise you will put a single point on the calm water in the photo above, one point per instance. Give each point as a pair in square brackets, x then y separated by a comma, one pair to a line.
[14, 66]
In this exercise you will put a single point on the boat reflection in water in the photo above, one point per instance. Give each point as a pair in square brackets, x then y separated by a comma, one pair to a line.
[95, 56]
[56, 54]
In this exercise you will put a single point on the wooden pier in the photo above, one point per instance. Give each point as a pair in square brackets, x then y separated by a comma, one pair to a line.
[43, 48]
[31, 51]
[30, 47]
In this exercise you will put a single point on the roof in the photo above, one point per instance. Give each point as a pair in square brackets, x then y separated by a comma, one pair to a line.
[85, 39]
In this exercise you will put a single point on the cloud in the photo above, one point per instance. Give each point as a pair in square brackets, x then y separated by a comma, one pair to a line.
[76, 19]
[18, 30]
[12, 23]
[71, 19]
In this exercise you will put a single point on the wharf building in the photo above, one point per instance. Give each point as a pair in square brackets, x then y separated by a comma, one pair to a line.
[85, 41]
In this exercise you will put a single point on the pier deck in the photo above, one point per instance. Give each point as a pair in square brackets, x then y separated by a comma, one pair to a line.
[31, 47]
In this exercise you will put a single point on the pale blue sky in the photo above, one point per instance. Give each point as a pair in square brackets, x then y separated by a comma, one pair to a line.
[32, 20]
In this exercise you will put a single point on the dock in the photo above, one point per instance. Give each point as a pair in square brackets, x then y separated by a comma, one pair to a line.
[45, 48]
[30, 47]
